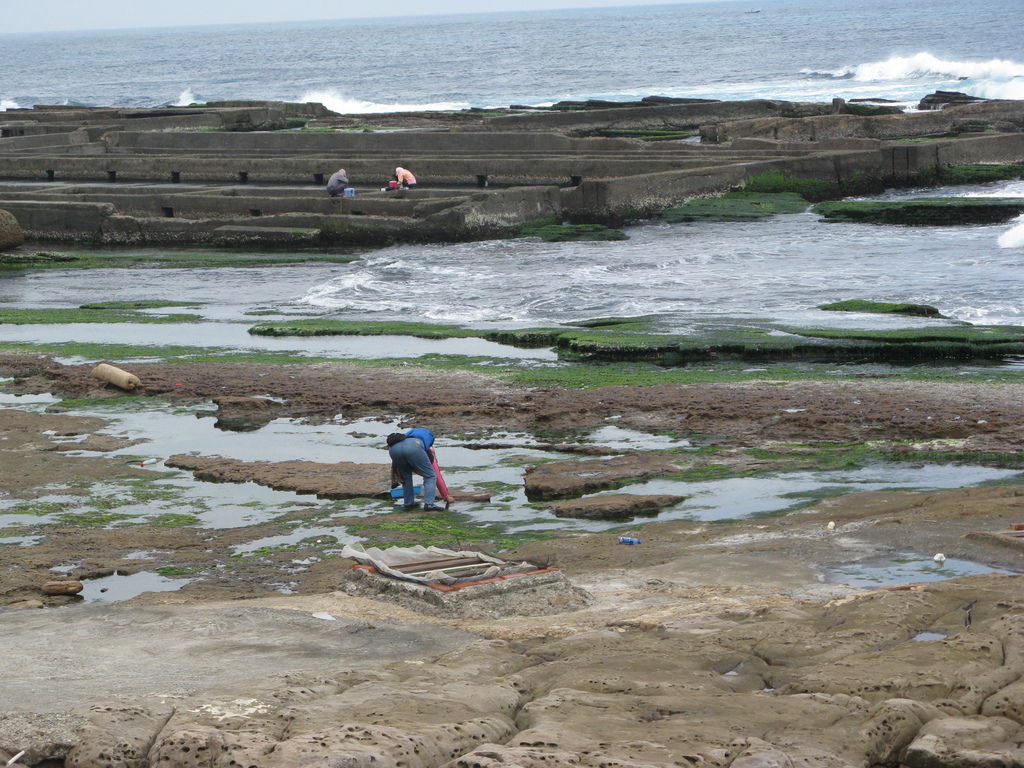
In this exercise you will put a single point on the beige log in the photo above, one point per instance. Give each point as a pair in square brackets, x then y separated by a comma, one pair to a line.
[116, 376]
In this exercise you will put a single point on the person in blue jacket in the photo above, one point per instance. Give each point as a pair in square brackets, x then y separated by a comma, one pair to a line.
[410, 454]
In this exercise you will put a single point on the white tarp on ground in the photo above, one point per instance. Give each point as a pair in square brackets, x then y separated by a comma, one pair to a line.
[384, 560]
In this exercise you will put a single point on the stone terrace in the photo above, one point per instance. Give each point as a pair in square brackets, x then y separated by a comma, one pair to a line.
[213, 175]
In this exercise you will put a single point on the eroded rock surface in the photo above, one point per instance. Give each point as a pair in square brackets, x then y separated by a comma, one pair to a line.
[341, 480]
[615, 506]
[831, 685]
[559, 479]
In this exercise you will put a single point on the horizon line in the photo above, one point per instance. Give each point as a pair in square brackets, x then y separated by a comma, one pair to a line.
[638, 6]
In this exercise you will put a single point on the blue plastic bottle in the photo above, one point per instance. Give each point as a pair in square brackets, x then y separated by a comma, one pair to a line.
[629, 540]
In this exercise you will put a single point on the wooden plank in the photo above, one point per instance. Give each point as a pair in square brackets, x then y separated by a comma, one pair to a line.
[449, 569]
[430, 565]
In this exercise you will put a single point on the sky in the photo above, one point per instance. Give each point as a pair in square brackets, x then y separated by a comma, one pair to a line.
[66, 15]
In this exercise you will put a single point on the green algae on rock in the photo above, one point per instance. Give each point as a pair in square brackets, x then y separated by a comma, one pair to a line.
[971, 174]
[931, 211]
[742, 205]
[627, 341]
[192, 259]
[551, 231]
[78, 315]
[140, 304]
[326, 327]
[881, 307]
[780, 182]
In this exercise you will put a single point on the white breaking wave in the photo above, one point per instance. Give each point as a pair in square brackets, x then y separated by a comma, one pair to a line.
[1010, 89]
[926, 65]
[1013, 238]
[6, 104]
[185, 98]
[341, 104]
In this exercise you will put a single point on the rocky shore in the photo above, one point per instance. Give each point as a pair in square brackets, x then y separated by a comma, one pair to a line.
[709, 644]
[870, 616]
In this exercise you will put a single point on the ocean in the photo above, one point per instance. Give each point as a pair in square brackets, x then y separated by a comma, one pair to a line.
[689, 274]
[808, 50]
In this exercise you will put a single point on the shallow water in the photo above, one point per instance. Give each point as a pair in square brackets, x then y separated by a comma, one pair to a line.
[902, 568]
[747, 497]
[499, 471]
[235, 337]
[699, 274]
[117, 586]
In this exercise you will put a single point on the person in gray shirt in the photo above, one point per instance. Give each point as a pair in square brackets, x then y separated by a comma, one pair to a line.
[337, 183]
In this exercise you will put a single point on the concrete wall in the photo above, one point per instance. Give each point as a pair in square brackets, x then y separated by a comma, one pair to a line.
[675, 116]
[483, 215]
[458, 171]
[61, 220]
[645, 194]
[396, 142]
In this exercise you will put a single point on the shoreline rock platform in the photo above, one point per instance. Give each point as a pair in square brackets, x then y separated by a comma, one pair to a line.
[238, 175]
[732, 644]
[711, 644]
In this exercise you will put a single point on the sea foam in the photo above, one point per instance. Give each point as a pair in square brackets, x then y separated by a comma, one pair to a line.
[185, 98]
[342, 104]
[925, 65]
[1014, 237]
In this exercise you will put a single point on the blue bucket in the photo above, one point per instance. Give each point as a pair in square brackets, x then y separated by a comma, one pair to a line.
[349, 192]
[397, 493]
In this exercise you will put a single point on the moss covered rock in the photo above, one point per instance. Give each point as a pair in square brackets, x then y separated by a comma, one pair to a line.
[555, 232]
[882, 308]
[928, 211]
[743, 205]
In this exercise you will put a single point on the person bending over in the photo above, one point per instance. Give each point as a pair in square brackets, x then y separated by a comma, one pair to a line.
[410, 454]
[404, 178]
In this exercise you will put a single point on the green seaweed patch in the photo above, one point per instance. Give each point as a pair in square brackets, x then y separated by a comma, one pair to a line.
[881, 307]
[191, 259]
[326, 327]
[495, 486]
[929, 211]
[178, 354]
[141, 304]
[524, 337]
[776, 181]
[703, 473]
[971, 173]
[37, 508]
[173, 520]
[173, 571]
[824, 457]
[94, 519]
[639, 323]
[268, 551]
[37, 259]
[76, 315]
[556, 232]
[616, 343]
[975, 335]
[742, 205]
[75, 403]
